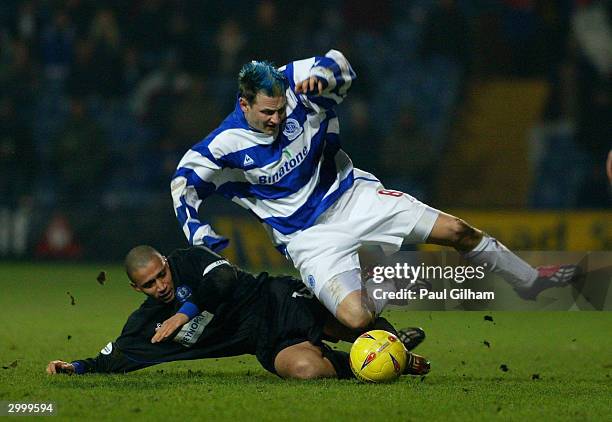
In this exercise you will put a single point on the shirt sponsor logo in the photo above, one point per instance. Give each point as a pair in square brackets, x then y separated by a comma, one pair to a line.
[182, 293]
[192, 331]
[285, 169]
[292, 129]
[107, 350]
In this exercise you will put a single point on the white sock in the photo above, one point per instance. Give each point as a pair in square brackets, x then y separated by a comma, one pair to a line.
[385, 286]
[500, 260]
[334, 291]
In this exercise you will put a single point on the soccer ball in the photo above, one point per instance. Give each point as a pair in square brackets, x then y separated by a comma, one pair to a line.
[378, 356]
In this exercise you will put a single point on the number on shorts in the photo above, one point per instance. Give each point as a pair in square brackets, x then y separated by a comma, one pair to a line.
[394, 193]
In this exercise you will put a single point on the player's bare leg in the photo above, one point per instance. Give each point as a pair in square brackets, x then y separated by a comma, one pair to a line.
[353, 312]
[481, 249]
[343, 296]
[411, 337]
[335, 330]
[303, 361]
[357, 310]
[452, 231]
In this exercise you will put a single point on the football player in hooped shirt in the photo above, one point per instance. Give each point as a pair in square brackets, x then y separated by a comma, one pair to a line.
[278, 155]
[200, 306]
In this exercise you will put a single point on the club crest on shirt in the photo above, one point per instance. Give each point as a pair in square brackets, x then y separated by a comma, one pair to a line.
[292, 129]
[182, 293]
[311, 281]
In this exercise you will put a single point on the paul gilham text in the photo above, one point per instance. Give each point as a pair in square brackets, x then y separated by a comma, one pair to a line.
[456, 294]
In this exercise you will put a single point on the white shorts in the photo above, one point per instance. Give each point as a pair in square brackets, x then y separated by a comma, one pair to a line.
[367, 214]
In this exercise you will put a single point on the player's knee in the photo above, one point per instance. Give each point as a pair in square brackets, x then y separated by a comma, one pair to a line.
[303, 369]
[353, 312]
[356, 318]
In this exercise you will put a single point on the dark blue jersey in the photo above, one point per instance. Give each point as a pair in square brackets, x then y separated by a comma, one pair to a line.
[237, 313]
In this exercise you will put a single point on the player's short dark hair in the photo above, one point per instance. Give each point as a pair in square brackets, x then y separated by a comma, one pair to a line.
[138, 257]
[261, 76]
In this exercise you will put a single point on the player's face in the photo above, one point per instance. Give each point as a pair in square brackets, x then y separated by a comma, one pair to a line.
[265, 114]
[155, 279]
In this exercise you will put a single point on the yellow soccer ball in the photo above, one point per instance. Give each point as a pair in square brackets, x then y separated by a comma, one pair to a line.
[378, 356]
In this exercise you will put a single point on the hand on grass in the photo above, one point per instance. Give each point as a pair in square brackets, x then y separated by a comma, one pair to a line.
[60, 367]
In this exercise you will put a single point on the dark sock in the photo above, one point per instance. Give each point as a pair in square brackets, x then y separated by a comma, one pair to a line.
[340, 362]
[382, 324]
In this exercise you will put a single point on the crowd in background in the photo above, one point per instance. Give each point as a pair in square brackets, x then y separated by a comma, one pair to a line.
[100, 99]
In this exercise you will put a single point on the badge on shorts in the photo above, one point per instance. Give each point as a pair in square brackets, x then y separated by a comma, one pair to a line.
[311, 281]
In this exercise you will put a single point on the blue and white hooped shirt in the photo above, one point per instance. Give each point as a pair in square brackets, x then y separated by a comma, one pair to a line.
[287, 181]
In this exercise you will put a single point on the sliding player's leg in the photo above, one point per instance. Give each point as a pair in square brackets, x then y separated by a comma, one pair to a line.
[303, 361]
[411, 337]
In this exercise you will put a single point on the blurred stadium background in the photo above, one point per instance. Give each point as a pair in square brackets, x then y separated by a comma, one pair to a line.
[498, 110]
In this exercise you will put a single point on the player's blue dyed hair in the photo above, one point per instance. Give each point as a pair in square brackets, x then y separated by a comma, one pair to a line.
[261, 76]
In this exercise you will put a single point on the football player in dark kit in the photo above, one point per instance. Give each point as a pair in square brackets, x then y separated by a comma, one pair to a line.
[200, 306]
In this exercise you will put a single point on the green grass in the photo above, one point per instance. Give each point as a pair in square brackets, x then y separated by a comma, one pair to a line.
[570, 351]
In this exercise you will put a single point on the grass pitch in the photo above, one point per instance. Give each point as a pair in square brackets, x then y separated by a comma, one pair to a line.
[559, 364]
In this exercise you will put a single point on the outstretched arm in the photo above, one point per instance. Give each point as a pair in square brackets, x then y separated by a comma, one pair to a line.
[110, 360]
[131, 351]
[191, 185]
